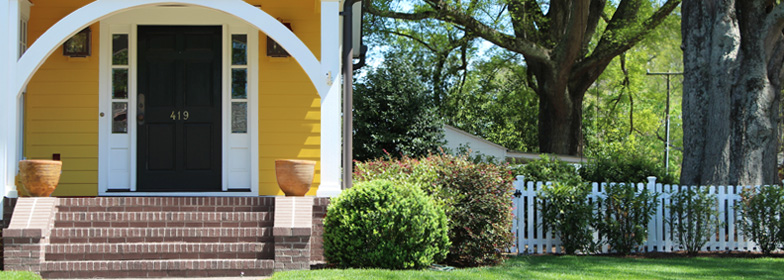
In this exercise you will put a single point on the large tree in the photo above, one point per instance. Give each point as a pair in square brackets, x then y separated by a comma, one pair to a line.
[563, 47]
[392, 114]
[733, 54]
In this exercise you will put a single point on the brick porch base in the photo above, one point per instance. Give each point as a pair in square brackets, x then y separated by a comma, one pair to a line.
[114, 237]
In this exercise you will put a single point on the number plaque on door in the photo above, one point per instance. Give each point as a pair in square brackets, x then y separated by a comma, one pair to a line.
[179, 115]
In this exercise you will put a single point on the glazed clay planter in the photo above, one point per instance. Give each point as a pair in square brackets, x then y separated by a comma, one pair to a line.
[294, 176]
[39, 178]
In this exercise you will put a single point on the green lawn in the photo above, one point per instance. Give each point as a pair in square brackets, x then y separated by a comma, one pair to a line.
[18, 275]
[571, 267]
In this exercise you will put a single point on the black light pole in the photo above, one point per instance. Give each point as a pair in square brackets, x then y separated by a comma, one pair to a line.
[667, 117]
[348, 90]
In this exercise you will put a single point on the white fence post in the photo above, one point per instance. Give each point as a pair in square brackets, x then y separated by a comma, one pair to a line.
[732, 234]
[652, 229]
[722, 199]
[518, 224]
[531, 225]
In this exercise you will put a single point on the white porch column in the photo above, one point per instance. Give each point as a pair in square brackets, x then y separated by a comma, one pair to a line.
[9, 44]
[330, 102]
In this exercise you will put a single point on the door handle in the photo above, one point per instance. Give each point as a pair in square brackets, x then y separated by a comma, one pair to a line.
[140, 109]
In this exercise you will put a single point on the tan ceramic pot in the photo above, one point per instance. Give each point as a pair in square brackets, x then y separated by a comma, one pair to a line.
[294, 176]
[39, 178]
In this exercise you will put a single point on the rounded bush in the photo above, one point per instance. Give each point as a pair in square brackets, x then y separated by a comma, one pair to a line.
[385, 225]
[475, 196]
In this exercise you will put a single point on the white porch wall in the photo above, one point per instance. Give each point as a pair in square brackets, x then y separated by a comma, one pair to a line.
[330, 102]
[9, 51]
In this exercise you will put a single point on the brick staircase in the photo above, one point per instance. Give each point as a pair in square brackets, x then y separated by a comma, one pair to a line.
[111, 237]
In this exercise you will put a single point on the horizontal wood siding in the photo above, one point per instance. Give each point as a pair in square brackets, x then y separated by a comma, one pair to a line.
[289, 106]
[61, 106]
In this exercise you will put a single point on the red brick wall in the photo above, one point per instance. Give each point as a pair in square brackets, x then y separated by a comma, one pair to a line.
[316, 242]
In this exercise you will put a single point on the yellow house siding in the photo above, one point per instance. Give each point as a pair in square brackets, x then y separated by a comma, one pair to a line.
[289, 106]
[61, 108]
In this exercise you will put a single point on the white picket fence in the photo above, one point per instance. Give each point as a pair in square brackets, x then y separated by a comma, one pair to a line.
[532, 239]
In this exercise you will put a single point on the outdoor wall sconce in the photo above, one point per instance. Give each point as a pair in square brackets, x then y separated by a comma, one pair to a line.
[78, 45]
[274, 49]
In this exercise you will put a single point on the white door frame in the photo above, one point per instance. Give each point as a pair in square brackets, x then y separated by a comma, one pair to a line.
[117, 152]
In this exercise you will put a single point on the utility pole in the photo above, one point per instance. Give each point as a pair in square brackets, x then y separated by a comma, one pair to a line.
[666, 117]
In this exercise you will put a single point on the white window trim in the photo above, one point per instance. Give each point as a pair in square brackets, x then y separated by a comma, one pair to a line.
[127, 22]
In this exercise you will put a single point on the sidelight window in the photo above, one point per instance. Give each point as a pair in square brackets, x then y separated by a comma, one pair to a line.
[239, 83]
[119, 83]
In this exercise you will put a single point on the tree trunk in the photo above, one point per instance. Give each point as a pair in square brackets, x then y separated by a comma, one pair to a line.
[730, 94]
[560, 125]
[560, 108]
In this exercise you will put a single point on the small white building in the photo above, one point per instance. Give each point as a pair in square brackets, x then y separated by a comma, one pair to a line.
[457, 138]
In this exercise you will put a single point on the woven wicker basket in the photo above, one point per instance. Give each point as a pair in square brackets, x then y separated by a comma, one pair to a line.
[39, 178]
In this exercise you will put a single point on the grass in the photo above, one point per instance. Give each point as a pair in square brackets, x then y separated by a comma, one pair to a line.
[577, 267]
[18, 275]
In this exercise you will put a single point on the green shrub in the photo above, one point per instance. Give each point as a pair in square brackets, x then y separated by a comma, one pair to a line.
[693, 217]
[624, 214]
[762, 210]
[624, 168]
[548, 169]
[385, 225]
[569, 214]
[393, 112]
[476, 197]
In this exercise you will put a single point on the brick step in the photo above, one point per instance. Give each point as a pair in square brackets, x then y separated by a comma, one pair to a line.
[163, 219]
[174, 204]
[157, 268]
[141, 251]
[136, 235]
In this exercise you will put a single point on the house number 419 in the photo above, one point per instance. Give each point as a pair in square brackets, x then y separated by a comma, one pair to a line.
[179, 115]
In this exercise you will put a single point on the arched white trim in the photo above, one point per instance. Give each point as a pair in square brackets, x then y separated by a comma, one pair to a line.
[95, 11]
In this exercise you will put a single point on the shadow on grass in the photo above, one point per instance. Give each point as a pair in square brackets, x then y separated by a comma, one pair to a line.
[601, 267]
[577, 267]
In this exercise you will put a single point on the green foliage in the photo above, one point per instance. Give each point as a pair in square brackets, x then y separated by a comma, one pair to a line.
[476, 197]
[403, 170]
[569, 214]
[548, 169]
[19, 275]
[623, 216]
[494, 103]
[694, 217]
[464, 149]
[625, 108]
[385, 225]
[762, 209]
[622, 165]
[392, 113]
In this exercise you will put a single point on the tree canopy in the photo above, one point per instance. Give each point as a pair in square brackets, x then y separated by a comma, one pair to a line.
[392, 114]
[565, 45]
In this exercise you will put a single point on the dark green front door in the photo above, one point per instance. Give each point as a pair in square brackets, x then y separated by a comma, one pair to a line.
[179, 108]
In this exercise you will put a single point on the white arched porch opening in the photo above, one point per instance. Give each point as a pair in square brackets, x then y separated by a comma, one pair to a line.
[322, 74]
[56, 35]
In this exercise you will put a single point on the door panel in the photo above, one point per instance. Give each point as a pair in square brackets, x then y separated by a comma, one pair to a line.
[179, 136]
[161, 148]
[198, 92]
[197, 150]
